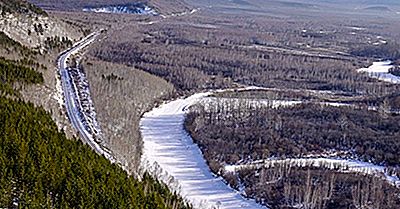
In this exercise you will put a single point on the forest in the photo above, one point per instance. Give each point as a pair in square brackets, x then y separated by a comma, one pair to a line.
[216, 55]
[137, 65]
[237, 131]
[390, 102]
[41, 168]
[11, 46]
[13, 72]
[121, 96]
[286, 187]
[57, 43]
[229, 132]
[389, 51]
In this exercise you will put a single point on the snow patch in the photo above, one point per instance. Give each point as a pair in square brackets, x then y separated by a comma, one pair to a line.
[341, 165]
[58, 95]
[356, 28]
[141, 9]
[380, 71]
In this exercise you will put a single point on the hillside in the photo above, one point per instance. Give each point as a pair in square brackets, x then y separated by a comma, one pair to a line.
[31, 26]
[20, 6]
[229, 103]
[40, 166]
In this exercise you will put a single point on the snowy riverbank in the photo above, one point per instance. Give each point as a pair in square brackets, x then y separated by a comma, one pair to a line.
[341, 165]
[170, 154]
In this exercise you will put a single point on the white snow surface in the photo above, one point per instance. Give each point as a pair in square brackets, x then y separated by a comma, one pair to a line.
[143, 10]
[380, 70]
[207, 101]
[170, 154]
[342, 165]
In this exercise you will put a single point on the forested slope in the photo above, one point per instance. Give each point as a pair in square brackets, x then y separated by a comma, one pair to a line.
[42, 169]
[39, 166]
[20, 6]
[12, 72]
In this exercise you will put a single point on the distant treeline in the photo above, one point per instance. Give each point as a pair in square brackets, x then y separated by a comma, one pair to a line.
[19, 6]
[390, 51]
[194, 59]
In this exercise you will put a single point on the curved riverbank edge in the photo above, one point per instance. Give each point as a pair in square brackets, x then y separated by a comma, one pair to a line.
[170, 155]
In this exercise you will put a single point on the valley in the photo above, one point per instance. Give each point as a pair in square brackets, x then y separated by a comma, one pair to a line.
[200, 104]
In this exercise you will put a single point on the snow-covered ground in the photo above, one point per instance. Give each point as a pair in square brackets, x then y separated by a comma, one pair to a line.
[123, 9]
[341, 165]
[380, 70]
[207, 101]
[170, 154]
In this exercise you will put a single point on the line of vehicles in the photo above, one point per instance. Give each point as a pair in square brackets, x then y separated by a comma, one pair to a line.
[77, 100]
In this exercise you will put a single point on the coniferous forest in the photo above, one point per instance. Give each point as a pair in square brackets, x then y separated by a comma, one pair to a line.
[41, 168]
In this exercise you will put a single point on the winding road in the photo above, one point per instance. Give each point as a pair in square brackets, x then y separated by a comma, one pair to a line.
[71, 103]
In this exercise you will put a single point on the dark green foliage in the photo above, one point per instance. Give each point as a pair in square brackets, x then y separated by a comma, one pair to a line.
[57, 43]
[7, 89]
[111, 77]
[7, 41]
[13, 46]
[12, 71]
[38, 28]
[41, 168]
[20, 6]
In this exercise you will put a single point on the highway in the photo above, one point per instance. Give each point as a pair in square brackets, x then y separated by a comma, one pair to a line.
[71, 104]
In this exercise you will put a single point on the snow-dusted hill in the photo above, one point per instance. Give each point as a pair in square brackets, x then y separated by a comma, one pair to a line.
[33, 30]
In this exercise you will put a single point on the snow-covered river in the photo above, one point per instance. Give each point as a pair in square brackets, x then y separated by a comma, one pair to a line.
[170, 154]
